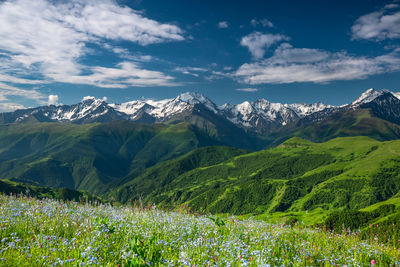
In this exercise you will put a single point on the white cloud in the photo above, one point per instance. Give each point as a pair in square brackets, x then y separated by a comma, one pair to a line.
[49, 38]
[258, 43]
[9, 90]
[263, 22]
[7, 107]
[218, 75]
[88, 97]
[378, 25]
[53, 100]
[193, 71]
[8, 78]
[290, 65]
[286, 53]
[127, 55]
[125, 74]
[106, 19]
[197, 69]
[223, 24]
[249, 90]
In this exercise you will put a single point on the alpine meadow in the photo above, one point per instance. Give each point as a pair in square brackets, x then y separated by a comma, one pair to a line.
[199, 133]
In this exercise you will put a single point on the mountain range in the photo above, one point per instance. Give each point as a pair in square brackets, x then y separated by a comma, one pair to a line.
[260, 116]
[250, 158]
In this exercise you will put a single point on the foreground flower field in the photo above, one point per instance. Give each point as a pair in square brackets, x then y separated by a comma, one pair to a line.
[49, 233]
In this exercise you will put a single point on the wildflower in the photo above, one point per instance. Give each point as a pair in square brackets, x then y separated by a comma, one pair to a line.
[373, 262]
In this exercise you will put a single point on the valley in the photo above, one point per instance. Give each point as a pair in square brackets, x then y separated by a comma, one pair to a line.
[329, 169]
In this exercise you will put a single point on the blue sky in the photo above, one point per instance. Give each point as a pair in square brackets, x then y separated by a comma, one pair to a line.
[230, 51]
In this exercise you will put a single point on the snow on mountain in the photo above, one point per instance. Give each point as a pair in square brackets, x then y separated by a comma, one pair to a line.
[88, 107]
[259, 115]
[238, 114]
[168, 107]
[272, 112]
[303, 109]
[368, 96]
[196, 98]
[129, 108]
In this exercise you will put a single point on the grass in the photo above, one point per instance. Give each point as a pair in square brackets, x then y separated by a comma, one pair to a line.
[298, 177]
[92, 157]
[48, 232]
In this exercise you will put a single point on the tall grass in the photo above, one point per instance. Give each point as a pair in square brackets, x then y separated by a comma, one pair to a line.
[48, 232]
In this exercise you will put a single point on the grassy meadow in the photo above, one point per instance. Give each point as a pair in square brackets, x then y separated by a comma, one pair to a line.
[47, 232]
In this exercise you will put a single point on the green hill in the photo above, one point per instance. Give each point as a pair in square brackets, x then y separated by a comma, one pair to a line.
[9, 187]
[90, 157]
[181, 163]
[357, 122]
[378, 221]
[293, 179]
[162, 174]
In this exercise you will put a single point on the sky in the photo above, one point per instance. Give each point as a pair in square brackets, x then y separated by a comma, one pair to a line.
[287, 51]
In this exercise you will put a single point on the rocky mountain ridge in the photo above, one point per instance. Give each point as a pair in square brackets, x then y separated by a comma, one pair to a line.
[259, 116]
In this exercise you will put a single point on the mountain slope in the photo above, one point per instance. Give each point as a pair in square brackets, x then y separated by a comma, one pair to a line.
[88, 110]
[162, 174]
[352, 172]
[259, 117]
[9, 187]
[349, 122]
[90, 156]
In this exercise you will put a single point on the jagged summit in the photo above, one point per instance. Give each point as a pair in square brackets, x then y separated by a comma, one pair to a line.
[368, 96]
[166, 108]
[303, 109]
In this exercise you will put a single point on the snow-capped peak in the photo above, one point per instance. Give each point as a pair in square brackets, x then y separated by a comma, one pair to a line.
[258, 115]
[129, 107]
[303, 109]
[166, 108]
[368, 96]
[245, 108]
[193, 98]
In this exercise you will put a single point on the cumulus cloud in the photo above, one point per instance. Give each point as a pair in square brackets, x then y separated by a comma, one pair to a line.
[7, 107]
[249, 90]
[286, 53]
[290, 65]
[263, 22]
[123, 75]
[108, 20]
[53, 100]
[50, 37]
[378, 25]
[223, 24]
[258, 42]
